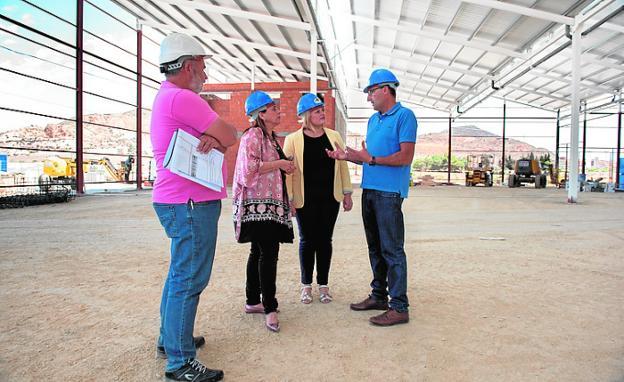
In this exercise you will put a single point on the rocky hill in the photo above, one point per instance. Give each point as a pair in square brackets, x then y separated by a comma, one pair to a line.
[62, 136]
[470, 140]
[100, 139]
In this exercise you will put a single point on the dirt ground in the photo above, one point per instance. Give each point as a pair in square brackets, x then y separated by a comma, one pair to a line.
[81, 283]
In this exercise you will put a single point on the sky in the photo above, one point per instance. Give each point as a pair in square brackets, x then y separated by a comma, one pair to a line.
[22, 93]
[29, 58]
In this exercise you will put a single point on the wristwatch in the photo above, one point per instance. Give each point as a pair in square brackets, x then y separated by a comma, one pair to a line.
[372, 161]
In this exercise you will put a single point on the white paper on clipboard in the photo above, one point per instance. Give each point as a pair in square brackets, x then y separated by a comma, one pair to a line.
[183, 159]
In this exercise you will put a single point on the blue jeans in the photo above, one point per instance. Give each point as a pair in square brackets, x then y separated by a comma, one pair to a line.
[385, 235]
[192, 228]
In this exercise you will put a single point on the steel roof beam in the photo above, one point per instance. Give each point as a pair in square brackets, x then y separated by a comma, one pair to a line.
[408, 98]
[406, 94]
[208, 7]
[413, 29]
[406, 56]
[240, 74]
[531, 12]
[500, 37]
[234, 41]
[145, 14]
[432, 106]
[457, 54]
[592, 10]
[536, 92]
[603, 63]
[267, 66]
[555, 76]
[196, 19]
[613, 27]
[427, 80]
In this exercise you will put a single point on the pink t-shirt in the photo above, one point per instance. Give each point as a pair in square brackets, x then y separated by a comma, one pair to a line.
[175, 108]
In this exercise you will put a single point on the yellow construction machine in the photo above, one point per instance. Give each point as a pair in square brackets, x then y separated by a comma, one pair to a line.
[59, 170]
[527, 171]
[479, 170]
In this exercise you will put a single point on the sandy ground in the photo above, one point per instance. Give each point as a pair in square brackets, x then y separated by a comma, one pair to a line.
[81, 282]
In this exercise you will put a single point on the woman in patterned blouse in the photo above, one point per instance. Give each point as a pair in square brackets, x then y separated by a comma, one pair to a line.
[261, 205]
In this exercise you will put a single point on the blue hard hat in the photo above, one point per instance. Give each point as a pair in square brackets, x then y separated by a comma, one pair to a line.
[382, 76]
[256, 102]
[307, 102]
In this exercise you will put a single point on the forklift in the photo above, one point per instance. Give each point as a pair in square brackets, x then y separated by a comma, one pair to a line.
[479, 170]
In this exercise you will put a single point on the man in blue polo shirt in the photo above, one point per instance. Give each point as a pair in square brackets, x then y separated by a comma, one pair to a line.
[387, 157]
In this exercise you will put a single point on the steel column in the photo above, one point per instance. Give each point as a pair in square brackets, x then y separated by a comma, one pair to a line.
[583, 161]
[79, 52]
[557, 139]
[139, 110]
[253, 77]
[504, 139]
[313, 60]
[566, 176]
[618, 181]
[448, 177]
[573, 184]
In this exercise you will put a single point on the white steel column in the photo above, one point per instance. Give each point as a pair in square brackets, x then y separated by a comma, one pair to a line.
[573, 181]
[253, 77]
[313, 49]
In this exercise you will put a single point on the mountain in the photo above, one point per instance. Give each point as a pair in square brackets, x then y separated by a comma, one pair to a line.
[100, 139]
[62, 136]
[470, 140]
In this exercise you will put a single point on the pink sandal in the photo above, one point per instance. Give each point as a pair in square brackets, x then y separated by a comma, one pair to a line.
[273, 327]
[251, 309]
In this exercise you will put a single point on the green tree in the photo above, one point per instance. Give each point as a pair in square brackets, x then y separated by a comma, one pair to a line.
[509, 163]
[458, 164]
[545, 159]
[418, 164]
[438, 162]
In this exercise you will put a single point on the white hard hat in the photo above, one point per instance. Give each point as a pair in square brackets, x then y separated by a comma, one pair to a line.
[177, 45]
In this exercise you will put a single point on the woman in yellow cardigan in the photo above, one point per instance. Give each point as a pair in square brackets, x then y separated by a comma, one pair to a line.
[317, 187]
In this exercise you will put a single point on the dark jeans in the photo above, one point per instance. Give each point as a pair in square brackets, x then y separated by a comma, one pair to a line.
[316, 228]
[385, 235]
[261, 273]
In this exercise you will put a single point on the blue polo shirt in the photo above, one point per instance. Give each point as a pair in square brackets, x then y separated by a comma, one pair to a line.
[384, 136]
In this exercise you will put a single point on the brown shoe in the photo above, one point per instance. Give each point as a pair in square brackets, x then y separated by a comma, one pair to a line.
[370, 304]
[389, 318]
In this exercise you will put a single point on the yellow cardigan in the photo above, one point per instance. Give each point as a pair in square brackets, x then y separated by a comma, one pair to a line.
[293, 146]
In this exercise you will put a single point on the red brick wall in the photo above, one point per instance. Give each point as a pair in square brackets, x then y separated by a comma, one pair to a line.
[233, 110]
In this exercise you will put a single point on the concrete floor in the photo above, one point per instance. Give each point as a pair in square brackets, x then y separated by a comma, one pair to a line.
[504, 284]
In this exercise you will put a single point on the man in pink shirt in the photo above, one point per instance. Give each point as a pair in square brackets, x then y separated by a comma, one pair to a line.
[188, 211]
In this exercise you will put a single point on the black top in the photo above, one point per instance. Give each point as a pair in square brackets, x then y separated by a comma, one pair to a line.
[318, 183]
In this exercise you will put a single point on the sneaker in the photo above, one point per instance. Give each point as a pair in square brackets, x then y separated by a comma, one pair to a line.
[160, 350]
[194, 371]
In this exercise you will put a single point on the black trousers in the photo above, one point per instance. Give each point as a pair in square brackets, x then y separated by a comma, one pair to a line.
[261, 274]
[316, 228]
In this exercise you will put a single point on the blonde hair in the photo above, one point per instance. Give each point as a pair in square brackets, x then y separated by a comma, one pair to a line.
[306, 119]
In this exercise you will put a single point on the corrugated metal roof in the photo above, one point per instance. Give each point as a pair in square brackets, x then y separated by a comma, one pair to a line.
[448, 54]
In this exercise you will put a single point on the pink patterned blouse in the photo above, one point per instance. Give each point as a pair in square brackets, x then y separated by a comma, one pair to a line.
[259, 198]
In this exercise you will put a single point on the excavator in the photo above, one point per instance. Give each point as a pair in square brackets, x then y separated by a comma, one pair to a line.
[479, 170]
[62, 171]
